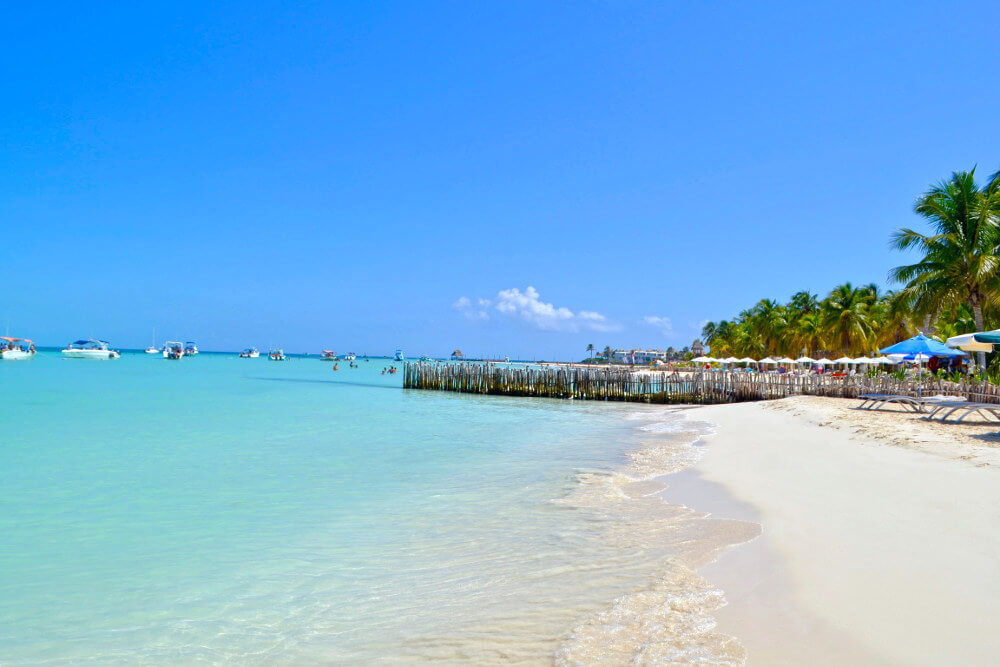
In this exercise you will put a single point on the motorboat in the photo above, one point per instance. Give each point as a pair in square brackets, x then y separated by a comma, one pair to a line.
[90, 348]
[276, 355]
[398, 356]
[173, 349]
[249, 353]
[15, 349]
[350, 356]
[190, 349]
[328, 355]
[425, 358]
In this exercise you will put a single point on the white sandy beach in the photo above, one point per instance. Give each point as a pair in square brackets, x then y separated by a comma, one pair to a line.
[881, 533]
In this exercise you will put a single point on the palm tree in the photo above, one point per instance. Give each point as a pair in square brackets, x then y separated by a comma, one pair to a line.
[847, 320]
[608, 353]
[960, 263]
[809, 332]
[590, 350]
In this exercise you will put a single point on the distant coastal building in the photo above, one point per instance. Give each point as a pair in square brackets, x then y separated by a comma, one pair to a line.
[696, 348]
[457, 355]
[638, 356]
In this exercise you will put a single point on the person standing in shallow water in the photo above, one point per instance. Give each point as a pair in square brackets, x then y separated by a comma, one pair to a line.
[335, 367]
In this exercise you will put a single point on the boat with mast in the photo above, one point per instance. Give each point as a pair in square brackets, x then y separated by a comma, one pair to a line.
[152, 349]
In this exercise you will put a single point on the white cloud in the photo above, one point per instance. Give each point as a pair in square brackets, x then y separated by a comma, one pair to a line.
[528, 307]
[664, 324]
[479, 312]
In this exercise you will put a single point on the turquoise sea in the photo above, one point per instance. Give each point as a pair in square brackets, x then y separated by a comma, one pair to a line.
[243, 510]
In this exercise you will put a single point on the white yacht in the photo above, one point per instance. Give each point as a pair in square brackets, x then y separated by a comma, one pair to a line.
[90, 349]
[152, 349]
[249, 353]
[14, 349]
[276, 354]
[190, 349]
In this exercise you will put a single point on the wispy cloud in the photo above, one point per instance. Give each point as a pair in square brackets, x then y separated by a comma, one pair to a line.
[664, 324]
[528, 307]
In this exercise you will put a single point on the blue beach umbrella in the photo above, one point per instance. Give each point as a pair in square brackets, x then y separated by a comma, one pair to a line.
[921, 347]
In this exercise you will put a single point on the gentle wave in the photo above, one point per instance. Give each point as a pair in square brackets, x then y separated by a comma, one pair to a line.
[668, 618]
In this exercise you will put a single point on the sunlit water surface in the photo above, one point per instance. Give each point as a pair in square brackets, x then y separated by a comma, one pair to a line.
[244, 510]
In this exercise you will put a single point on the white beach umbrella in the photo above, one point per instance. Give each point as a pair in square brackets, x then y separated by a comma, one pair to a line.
[805, 360]
[980, 341]
[825, 362]
[844, 360]
[703, 360]
[786, 360]
[748, 360]
[731, 360]
[768, 360]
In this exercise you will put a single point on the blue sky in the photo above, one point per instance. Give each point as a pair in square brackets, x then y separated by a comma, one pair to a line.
[507, 178]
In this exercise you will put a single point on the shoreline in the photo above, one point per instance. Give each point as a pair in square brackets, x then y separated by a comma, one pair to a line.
[879, 541]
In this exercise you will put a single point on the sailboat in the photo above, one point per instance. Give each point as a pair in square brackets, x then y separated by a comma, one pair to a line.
[152, 349]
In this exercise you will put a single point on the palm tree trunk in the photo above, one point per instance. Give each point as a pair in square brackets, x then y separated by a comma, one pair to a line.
[977, 312]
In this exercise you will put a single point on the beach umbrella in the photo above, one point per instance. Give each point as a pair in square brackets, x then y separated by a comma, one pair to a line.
[805, 360]
[843, 360]
[825, 362]
[980, 341]
[747, 360]
[786, 360]
[703, 360]
[731, 360]
[768, 360]
[921, 347]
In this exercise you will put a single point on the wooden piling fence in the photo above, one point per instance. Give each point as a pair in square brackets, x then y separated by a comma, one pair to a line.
[697, 387]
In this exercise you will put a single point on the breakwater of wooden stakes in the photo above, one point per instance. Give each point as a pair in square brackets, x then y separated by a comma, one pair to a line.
[696, 387]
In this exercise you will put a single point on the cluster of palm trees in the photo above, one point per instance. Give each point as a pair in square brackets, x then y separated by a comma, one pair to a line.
[953, 288]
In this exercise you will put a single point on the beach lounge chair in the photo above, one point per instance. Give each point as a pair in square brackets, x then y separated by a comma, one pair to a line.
[878, 401]
[945, 409]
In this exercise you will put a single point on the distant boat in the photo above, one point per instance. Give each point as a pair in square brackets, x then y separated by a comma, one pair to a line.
[173, 349]
[350, 356]
[16, 349]
[249, 353]
[152, 349]
[425, 358]
[90, 349]
[329, 355]
[190, 349]
[398, 356]
[276, 355]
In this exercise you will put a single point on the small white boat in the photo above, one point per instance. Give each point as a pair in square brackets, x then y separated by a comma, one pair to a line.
[329, 355]
[350, 356]
[152, 349]
[16, 349]
[90, 349]
[398, 356]
[190, 349]
[276, 355]
[173, 349]
[249, 353]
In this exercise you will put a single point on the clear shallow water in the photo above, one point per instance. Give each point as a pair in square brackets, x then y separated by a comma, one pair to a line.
[224, 509]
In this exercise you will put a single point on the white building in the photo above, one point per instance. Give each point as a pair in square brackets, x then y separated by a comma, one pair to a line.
[639, 357]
